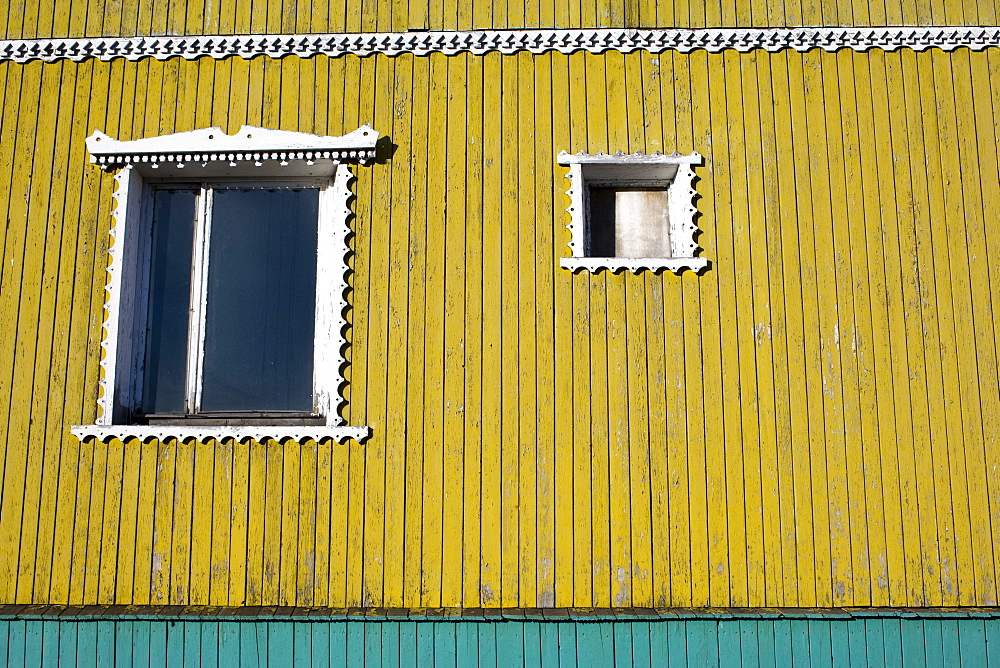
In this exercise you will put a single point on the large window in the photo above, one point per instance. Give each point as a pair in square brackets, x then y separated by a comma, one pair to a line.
[231, 310]
[228, 278]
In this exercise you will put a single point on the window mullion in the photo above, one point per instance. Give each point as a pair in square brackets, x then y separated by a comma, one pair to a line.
[199, 293]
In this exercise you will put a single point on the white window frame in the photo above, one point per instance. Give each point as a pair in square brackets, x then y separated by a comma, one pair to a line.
[255, 157]
[625, 171]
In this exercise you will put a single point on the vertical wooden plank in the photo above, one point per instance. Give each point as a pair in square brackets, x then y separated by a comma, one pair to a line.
[840, 361]
[223, 523]
[582, 440]
[339, 467]
[600, 570]
[980, 343]
[21, 256]
[250, 589]
[434, 346]
[376, 362]
[454, 334]
[390, 643]
[564, 331]
[306, 549]
[397, 389]
[545, 312]
[620, 437]
[527, 373]
[509, 435]
[473, 525]
[743, 476]
[416, 264]
[273, 505]
[492, 350]
[622, 644]
[686, 457]
[714, 291]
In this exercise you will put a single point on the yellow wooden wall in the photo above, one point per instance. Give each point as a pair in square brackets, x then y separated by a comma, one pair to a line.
[28, 19]
[813, 421]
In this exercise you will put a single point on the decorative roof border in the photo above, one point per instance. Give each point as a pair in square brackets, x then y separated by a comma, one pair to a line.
[594, 40]
[201, 434]
[250, 143]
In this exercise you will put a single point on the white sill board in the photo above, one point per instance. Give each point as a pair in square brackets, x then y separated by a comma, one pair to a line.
[239, 433]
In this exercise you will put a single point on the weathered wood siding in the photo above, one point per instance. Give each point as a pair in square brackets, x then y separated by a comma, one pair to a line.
[971, 643]
[812, 422]
[27, 19]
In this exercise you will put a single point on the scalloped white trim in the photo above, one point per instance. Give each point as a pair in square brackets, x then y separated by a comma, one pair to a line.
[633, 264]
[680, 202]
[594, 40]
[249, 144]
[255, 433]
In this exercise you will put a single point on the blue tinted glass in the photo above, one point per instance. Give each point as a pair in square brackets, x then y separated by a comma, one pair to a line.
[169, 301]
[261, 301]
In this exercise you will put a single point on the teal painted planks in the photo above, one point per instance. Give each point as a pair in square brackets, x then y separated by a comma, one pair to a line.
[729, 645]
[820, 646]
[466, 645]
[972, 643]
[993, 642]
[487, 634]
[68, 646]
[532, 644]
[640, 645]
[893, 642]
[229, 644]
[622, 634]
[870, 641]
[50, 644]
[840, 643]
[408, 644]
[302, 644]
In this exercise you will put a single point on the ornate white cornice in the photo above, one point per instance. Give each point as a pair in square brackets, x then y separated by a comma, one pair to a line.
[594, 40]
[249, 144]
[201, 434]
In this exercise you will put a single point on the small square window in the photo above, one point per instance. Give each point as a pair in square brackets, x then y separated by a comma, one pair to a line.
[632, 212]
[225, 308]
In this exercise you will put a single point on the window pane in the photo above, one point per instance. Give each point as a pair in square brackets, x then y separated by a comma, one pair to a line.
[629, 222]
[261, 300]
[169, 301]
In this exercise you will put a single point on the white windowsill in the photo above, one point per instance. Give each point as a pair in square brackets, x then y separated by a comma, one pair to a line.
[634, 264]
[239, 433]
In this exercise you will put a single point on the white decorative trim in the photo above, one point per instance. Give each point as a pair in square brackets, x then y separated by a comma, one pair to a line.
[625, 169]
[201, 434]
[250, 144]
[125, 290]
[633, 264]
[594, 40]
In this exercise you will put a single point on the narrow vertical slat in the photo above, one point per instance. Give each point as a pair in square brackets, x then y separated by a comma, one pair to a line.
[583, 546]
[487, 634]
[532, 635]
[416, 262]
[454, 326]
[703, 644]
[228, 650]
[372, 634]
[141, 642]
[545, 342]
[396, 453]
[434, 342]
[730, 643]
